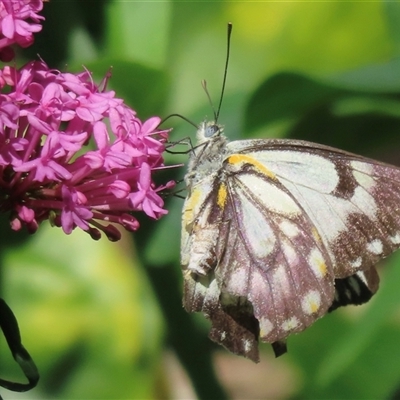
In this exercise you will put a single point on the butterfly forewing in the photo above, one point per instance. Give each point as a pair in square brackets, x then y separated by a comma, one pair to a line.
[276, 233]
[353, 201]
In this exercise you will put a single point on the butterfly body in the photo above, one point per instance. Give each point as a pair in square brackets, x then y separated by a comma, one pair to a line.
[276, 233]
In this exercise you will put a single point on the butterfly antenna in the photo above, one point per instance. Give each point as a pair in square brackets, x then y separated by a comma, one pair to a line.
[179, 116]
[204, 85]
[228, 48]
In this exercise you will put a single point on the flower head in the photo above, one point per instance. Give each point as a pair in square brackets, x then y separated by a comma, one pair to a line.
[19, 20]
[48, 120]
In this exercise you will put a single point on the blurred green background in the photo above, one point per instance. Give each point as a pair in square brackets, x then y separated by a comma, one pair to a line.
[104, 320]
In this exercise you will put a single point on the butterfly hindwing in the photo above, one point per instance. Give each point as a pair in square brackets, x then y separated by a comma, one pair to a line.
[356, 289]
[276, 233]
[233, 323]
[276, 259]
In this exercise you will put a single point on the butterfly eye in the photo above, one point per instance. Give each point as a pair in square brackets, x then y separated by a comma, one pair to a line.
[211, 130]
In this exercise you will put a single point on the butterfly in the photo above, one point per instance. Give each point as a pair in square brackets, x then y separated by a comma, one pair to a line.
[276, 233]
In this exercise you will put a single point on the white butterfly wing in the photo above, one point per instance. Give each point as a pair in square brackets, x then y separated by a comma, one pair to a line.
[280, 233]
[352, 201]
[274, 256]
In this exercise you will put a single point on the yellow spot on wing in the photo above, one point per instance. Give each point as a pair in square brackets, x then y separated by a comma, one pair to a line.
[314, 306]
[266, 327]
[323, 268]
[243, 159]
[190, 206]
[315, 234]
[222, 193]
[311, 302]
[317, 263]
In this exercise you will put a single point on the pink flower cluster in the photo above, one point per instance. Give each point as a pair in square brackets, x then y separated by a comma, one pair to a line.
[46, 120]
[19, 20]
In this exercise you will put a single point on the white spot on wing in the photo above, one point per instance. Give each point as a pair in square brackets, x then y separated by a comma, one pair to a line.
[289, 229]
[362, 167]
[247, 345]
[356, 263]
[364, 202]
[364, 180]
[266, 327]
[311, 302]
[375, 247]
[290, 324]
[395, 239]
[317, 263]
[362, 173]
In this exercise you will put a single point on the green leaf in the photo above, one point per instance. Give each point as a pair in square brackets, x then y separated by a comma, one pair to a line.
[392, 13]
[285, 96]
[327, 112]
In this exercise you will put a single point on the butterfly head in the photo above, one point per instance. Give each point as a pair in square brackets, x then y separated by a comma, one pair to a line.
[208, 131]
